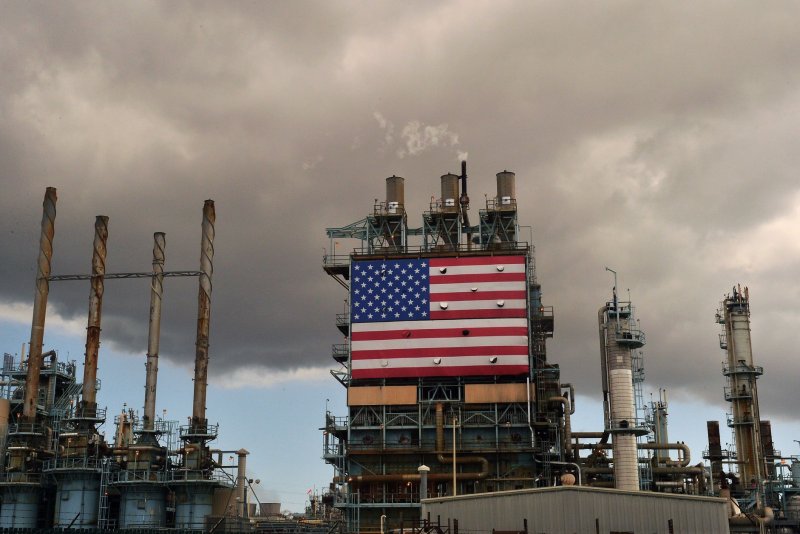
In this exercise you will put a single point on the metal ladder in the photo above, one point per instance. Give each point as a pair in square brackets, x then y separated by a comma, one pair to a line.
[102, 511]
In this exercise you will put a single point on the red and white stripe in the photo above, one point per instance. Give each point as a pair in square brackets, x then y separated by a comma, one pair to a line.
[478, 287]
[462, 347]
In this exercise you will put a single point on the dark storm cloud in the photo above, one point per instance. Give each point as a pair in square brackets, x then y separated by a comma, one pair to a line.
[656, 139]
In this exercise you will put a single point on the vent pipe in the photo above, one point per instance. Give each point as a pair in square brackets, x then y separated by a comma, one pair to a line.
[199, 421]
[154, 332]
[89, 395]
[241, 481]
[40, 304]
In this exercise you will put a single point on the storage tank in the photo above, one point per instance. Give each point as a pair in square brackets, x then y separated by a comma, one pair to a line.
[20, 506]
[506, 189]
[395, 194]
[77, 496]
[142, 505]
[450, 193]
[193, 503]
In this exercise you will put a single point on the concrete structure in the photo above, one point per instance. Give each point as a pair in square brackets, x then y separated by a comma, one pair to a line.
[580, 509]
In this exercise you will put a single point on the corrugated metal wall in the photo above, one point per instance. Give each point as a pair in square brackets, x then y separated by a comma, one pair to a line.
[565, 509]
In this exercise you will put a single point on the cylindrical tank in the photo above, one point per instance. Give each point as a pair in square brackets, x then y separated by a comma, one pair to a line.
[796, 474]
[142, 506]
[450, 192]
[77, 496]
[193, 503]
[395, 193]
[270, 508]
[506, 188]
[793, 507]
[20, 506]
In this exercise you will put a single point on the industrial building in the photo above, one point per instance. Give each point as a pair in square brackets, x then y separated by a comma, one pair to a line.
[450, 392]
[59, 471]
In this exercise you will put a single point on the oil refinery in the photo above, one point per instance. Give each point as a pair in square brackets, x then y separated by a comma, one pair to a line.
[456, 418]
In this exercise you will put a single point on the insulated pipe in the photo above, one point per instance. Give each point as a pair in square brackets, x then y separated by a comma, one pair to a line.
[40, 304]
[203, 318]
[409, 477]
[89, 394]
[439, 427]
[603, 359]
[571, 397]
[567, 427]
[153, 337]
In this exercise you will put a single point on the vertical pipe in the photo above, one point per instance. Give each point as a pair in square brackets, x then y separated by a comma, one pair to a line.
[89, 395]
[241, 481]
[40, 304]
[203, 318]
[156, 290]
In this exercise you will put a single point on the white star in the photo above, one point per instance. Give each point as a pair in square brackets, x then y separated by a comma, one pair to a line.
[416, 271]
[369, 291]
[396, 315]
[383, 316]
[403, 308]
[416, 295]
[403, 271]
[424, 314]
[383, 303]
[410, 265]
[369, 267]
[369, 279]
[416, 282]
[356, 317]
[423, 264]
[416, 308]
[383, 290]
[383, 266]
[358, 267]
[424, 301]
[396, 265]
[356, 291]
[369, 316]
[403, 283]
[390, 284]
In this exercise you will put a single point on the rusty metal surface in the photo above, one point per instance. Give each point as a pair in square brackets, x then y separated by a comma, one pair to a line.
[154, 332]
[40, 303]
[203, 316]
[89, 395]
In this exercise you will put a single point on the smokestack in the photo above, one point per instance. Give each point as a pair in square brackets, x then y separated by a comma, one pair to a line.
[40, 304]
[506, 189]
[203, 318]
[156, 290]
[241, 481]
[89, 396]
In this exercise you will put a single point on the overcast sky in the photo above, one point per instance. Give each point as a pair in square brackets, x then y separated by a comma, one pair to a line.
[658, 139]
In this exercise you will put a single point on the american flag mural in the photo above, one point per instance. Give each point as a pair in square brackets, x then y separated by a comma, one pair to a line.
[439, 317]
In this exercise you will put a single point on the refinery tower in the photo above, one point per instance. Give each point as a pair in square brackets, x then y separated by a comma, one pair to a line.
[449, 390]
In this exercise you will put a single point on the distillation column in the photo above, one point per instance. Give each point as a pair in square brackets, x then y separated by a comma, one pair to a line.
[742, 391]
[619, 336]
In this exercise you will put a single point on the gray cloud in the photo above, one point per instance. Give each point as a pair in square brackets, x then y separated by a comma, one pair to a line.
[655, 139]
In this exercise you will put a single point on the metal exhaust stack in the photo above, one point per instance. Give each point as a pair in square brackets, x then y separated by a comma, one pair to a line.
[89, 394]
[199, 421]
[40, 304]
[154, 332]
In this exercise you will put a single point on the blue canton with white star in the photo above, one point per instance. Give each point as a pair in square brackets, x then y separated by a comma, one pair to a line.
[389, 290]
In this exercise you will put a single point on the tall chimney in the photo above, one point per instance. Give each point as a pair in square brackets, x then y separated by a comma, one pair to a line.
[154, 333]
[203, 318]
[89, 396]
[40, 304]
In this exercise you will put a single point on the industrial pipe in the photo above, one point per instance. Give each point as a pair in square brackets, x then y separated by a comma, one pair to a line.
[567, 439]
[154, 332]
[40, 304]
[603, 359]
[199, 421]
[241, 481]
[683, 462]
[571, 396]
[89, 394]
[441, 458]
